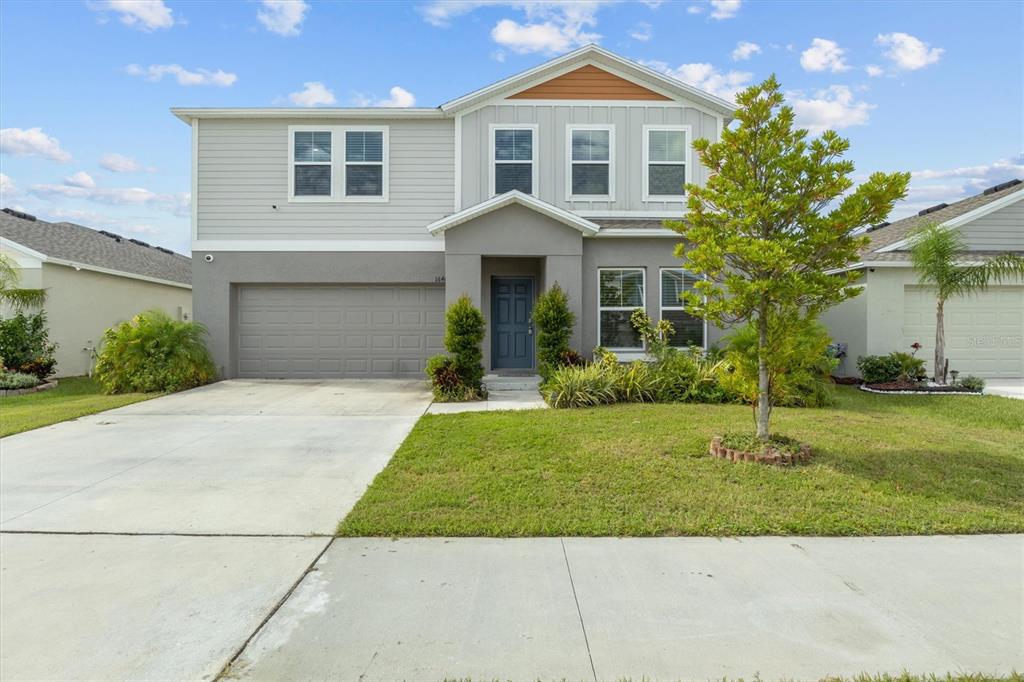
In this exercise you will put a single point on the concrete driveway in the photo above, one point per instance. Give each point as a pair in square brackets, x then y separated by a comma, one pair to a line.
[1009, 388]
[150, 541]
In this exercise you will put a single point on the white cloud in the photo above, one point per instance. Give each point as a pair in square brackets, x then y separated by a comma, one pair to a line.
[823, 55]
[745, 50]
[156, 72]
[399, 97]
[694, 9]
[547, 37]
[652, 4]
[874, 70]
[956, 183]
[995, 172]
[725, 9]
[313, 94]
[834, 108]
[145, 15]
[80, 179]
[7, 188]
[283, 17]
[118, 163]
[706, 77]
[177, 203]
[641, 32]
[32, 142]
[907, 52]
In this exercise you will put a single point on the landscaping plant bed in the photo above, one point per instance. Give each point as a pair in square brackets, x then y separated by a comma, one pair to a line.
[847, 381]
[778, 451]
[45, 386]
[915, 388]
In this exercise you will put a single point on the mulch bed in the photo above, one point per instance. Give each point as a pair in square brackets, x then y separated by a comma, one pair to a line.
[846, 381]
[910, 387]
[45, 386]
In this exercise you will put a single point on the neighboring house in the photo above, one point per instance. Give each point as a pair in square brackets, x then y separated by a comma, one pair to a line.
[984, 333]
[328, 241]
[93, 279]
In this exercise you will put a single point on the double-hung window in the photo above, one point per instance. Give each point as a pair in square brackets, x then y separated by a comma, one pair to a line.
[514, 164]
[338, 163]
[666, 158]
[621, 291]
[591, 157]
[688, 330]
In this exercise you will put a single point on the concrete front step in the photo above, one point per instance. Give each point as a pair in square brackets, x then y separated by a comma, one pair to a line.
[495, 382]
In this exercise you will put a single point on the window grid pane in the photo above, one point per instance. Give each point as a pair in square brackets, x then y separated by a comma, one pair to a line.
[590, 145]
[364, 181]
[667, 146]
[312, 146]
[364, 146]
[313, 181]
[666, 180]
[590, 179]
[617, 331]
[510, 176]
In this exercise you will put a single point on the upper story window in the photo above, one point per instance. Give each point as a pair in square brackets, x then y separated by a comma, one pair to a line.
[338, 163]
[666, 157]
[514, 165]
[689, 330]
[621, 291]
[591, 156]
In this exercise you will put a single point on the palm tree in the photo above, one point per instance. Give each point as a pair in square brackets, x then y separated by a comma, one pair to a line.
[11, 294]
[934, 254]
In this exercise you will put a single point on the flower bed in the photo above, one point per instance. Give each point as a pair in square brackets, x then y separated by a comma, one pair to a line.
[46, 386]
[778, 451]
[913, 388]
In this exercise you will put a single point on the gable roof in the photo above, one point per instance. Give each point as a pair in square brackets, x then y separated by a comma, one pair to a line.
[507, 199]
[891, 242]
[608, 61]
[76, 245]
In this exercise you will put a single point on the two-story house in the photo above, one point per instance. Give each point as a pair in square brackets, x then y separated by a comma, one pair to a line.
[327, 242]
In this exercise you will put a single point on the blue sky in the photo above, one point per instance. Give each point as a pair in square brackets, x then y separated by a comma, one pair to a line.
[85, 87]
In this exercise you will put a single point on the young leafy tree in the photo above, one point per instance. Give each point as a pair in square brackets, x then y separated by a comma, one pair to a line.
[11, 293]
[934, 253]
[764, 231]
[554, 321]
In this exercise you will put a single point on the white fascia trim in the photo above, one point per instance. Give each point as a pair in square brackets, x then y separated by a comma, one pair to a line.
[458, 163]
[195, 180]
[514, 197]
[328, 245]
[190, 114]
[606, 60]
[871, 264]
[962, 219]
[637, 232]
[23, 250]
[43, 258]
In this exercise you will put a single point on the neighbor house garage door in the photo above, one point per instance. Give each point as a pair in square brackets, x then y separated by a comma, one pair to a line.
[310, 332]
[984, 333]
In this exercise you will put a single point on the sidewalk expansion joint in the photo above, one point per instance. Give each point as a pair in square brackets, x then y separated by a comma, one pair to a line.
[583, 626]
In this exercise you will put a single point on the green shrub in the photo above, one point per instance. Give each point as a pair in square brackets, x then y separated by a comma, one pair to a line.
[584, 386]
[152, 352]
[464, 332]
[15, 380]
[445, 382]
[877, 369]
[972, 383]
[636, 382]
[25, 345]
[692, 376]
[802, 367]
[554, 322]
[911, 368]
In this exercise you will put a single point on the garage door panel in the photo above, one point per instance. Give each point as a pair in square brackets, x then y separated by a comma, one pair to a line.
[336, 331]
[984, 333]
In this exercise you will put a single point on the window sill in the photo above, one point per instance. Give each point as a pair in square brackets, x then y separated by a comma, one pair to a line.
[333, 200]
[590, 197]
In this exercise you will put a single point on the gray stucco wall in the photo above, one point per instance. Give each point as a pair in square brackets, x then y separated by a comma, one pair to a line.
[213, 283]
[848, 323]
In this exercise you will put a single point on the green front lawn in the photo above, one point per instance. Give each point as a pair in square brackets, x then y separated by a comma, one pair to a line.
[74, 397]
[884, 465]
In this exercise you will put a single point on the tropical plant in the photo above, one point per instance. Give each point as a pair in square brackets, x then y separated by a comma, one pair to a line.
[911, 367]
[554, 322]
[152, 352]
[878, 369]
[464, 332]
[25, 344]
[584, 386]
[445, 382]
[14, 380]
[972, 383]
[936, 254]
[764, 238]
[11, 293]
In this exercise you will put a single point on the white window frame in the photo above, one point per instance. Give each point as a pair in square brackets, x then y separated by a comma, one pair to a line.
[687, 161]
[492, 152]
[662, 307]
[339, 165]
[569, 128]
[642, 348]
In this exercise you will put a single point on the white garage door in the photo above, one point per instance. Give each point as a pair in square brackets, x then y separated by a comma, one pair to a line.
[313, 332]
[984, 333]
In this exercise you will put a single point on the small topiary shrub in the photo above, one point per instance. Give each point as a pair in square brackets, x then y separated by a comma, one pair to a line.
[25, 345]
[877, 369]
[554, 322]
[154, 353]
[16, 380]
[463, 336]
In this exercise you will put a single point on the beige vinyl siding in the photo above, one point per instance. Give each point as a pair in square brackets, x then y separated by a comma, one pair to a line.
[999, 230]
[243, 171]
[552, 120]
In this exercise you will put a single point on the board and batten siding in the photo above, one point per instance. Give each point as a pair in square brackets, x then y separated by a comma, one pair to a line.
[551, 121]
[243, 171]
[1002, 229]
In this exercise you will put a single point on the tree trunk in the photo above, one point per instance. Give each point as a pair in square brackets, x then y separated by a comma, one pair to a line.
[764, 406]
[940, 342]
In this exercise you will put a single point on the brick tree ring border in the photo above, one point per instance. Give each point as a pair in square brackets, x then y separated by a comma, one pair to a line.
[771, 456]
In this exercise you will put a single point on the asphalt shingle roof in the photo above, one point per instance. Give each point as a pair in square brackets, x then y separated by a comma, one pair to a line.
[901, 229]
[628, 223]
[79, 244]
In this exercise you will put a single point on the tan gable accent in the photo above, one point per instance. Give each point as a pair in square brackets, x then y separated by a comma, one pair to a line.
[588, 82]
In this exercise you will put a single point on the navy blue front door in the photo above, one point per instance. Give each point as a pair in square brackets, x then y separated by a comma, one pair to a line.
[511, 328]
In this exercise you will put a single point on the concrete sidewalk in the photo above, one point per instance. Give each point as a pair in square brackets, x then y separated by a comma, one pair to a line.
[661, 608]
